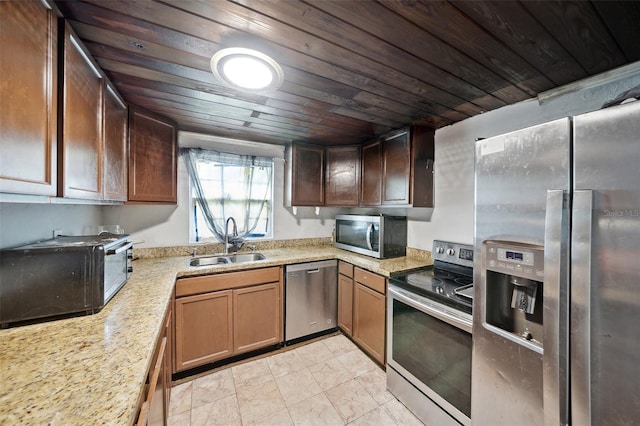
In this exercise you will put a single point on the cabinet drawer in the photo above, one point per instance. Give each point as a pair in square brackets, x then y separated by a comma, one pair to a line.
[373, 281]
[226, 280]
[345, 268]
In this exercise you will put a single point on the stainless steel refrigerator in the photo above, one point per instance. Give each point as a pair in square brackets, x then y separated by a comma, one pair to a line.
[556, 334]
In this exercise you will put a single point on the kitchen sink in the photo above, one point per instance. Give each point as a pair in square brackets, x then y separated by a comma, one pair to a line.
[246, 257]
[223, 259]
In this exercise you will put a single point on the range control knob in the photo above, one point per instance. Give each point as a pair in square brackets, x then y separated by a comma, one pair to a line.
[451, 252]
[440, 249]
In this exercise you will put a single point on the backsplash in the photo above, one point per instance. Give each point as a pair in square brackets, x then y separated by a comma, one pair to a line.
[214, 248]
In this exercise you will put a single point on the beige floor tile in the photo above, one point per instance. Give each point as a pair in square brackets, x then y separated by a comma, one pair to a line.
[224, 411]
[180, 398]
[315, 411]
[357, 362]
[281, 418]
[284, 363]
[260, 401]
[182, 419]
[212, 387]
[401, 414]
[339, 345]
[375, 382]
[351, 400]
[330, 373]
[314, 353]
[251, 374]
[377, 417]
[297, 386]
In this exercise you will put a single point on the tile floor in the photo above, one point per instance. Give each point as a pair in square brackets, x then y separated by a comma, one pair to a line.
[325, 383]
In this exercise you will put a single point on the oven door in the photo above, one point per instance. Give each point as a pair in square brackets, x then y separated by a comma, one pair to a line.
[116, 269]
[359, 234]
[429, 345]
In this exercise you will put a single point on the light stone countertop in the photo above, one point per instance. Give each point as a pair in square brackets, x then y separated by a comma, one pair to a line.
[92, 369]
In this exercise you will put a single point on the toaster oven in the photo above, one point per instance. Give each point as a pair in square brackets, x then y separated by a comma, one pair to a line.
[61, 277]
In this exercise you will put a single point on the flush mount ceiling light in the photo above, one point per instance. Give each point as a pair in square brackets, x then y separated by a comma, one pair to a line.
[247, 70]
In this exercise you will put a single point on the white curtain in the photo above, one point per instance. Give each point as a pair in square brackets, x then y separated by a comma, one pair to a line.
[229, 185]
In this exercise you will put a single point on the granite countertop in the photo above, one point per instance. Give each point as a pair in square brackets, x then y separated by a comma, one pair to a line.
[92, 369]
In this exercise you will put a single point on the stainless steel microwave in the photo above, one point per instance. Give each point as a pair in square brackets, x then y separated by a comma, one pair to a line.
[379, 236]
[61, 277]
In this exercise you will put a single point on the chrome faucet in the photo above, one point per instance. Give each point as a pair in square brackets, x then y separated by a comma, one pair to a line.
[226, 233]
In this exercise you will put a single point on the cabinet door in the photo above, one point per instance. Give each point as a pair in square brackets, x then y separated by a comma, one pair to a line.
[369, 309]
[396, 168]
[305, 175]
[115, 146]
[345, 304]
[257, 317]
[203, 329]
[28, 97]
[422, 152]
[342, 182]
[153, 154]
[370, 195]
[81, 134]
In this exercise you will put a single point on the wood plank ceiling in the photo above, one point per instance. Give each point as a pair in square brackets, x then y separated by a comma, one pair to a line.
[354, 69]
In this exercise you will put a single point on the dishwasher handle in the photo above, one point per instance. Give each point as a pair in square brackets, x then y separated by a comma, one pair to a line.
[313, 271]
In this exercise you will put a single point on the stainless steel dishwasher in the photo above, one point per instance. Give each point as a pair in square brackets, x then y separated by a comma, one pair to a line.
[311, 301]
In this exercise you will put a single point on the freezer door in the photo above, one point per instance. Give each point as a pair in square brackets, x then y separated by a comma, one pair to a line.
[514, 174]
[605, 268]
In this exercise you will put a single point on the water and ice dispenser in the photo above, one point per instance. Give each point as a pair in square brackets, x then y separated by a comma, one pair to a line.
[514, 291]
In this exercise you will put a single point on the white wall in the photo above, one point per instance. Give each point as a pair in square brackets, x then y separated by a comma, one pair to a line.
[452, 217]
[157, 226]
[24, 223]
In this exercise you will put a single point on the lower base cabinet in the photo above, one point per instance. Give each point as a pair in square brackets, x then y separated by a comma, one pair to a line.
[154, 406]
[369, 313]
[221, 315]
[345, 297]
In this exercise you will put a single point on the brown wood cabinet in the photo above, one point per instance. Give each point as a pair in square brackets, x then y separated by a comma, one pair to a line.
[153, 158]
[371, 192]
[80, 150]
[342, 176]
[225, 314]
[115, 124]
[369, 313]
[397, 170]
[28, 98]
[153, 408]
[345, 297]
[304, 177]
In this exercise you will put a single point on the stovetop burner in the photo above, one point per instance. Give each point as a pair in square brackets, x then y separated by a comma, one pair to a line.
[452, 270]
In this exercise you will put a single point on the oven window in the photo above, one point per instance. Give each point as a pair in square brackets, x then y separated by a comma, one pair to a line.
[436, 353]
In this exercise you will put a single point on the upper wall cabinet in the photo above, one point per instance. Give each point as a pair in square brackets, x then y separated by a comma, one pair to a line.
[115, 123]
[397, 170]
[153, 158]
[342, 176]
[371, 191]
[81, 143]
[28, 98]
[304, 177]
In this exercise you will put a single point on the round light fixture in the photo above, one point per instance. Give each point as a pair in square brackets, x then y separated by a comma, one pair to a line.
[247, 70]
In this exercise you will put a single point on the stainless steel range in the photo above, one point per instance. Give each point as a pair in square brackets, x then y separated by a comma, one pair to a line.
[429, 326]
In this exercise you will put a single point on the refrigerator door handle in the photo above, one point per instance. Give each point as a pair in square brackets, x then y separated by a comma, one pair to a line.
[581, 259]
[556, 309]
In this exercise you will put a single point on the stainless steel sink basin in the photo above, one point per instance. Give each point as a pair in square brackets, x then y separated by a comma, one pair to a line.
[209, 261]
[246, 257]
[223, 259]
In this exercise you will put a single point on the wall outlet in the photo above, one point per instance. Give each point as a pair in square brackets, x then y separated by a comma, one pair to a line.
[57, 233]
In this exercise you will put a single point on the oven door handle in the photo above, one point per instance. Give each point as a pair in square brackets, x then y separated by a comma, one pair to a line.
[369, 233]
[124, 247]
[437, 313]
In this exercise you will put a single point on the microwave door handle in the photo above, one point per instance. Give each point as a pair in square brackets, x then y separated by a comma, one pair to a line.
[369, 234]
[124, 247]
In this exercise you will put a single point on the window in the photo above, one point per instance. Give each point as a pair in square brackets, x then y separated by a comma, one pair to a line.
[229, 185]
